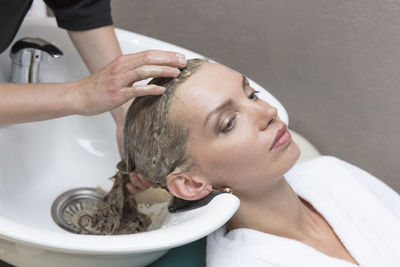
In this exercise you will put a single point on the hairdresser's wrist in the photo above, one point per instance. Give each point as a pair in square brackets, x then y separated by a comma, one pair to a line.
[70, 94]
[89, 100]
[56, 100]
[76, 101]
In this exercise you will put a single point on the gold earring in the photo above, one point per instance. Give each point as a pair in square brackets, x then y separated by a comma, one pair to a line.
[225, 189]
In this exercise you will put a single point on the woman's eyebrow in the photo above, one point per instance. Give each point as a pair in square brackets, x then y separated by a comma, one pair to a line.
[227, 103]
[244, 82]
[223, 106]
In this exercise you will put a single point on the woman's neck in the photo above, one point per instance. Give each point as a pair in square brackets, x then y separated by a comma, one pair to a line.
[277, 211]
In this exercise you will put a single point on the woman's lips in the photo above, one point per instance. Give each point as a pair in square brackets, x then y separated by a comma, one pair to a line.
[282, 138]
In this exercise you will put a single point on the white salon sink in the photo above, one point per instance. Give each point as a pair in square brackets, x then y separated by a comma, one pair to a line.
[39, 161]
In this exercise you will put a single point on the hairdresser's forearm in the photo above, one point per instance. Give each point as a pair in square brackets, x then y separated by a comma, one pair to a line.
[98, 47]
[36, 102]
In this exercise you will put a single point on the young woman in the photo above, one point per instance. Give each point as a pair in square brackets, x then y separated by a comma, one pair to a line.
[209, 131]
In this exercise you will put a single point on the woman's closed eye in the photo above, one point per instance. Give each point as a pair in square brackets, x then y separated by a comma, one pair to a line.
[228, 123]
[253, 95]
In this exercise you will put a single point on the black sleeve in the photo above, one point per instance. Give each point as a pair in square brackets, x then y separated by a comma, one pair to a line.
[12, 14]
[79, 15]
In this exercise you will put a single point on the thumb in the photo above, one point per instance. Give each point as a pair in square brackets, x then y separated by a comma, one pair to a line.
[142, 90]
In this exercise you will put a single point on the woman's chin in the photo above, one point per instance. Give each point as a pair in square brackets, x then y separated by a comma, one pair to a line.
[292, 155]
[297, 152]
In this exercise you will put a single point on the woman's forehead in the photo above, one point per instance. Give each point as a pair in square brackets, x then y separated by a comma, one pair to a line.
[211, 85]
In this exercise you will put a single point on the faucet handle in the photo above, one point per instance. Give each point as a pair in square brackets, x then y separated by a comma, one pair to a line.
[26, 55]
[36, 43]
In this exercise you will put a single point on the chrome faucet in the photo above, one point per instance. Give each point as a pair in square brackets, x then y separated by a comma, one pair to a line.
[26, 55]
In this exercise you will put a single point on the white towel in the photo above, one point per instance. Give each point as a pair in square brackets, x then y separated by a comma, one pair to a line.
[363, 211]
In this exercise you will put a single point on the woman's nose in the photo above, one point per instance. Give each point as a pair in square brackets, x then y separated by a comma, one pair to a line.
[266, 114]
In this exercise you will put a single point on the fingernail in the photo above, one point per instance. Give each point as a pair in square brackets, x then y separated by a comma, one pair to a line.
[140, 176]
[129, 186]
[177, 71]
[161, 89]
[181, 59]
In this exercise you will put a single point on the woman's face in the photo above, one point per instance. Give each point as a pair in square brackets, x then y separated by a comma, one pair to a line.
[231, 131]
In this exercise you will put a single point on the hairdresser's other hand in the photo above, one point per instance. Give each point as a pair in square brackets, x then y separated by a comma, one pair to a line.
[112, 86]
[138, 183]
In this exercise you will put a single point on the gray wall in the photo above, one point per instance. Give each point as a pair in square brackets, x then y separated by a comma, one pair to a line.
[335, 65]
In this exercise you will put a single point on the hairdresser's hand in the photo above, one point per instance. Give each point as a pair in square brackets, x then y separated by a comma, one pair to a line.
[112, 86]
[138, 183]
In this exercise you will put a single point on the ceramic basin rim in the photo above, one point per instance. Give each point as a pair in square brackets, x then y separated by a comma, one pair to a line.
[224, 205]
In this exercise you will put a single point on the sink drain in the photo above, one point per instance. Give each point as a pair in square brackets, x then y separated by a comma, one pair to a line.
[71, 208]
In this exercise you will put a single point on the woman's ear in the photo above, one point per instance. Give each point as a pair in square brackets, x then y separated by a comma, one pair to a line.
[189, 187]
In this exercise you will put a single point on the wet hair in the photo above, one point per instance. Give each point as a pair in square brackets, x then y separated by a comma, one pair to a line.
[153, 145]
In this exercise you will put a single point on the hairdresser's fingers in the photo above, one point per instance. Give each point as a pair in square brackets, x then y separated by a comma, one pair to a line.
[149, 183]
[153, 57]
[132, 177]
[137, 181]
[148, 71]
[142, 90]
[132, 189]
[146, 181]
[129, 62]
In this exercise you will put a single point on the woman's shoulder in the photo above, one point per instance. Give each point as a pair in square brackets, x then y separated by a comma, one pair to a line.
[330, 167]
[324, 160]
[317, 169]
[243, 246]
[326, 167]
[330, 172]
